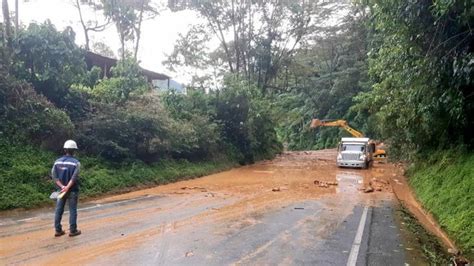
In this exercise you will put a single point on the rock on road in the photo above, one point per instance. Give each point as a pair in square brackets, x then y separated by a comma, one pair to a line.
[271, 212]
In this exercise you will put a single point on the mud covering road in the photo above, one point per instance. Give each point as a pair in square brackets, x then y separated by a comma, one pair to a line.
[268, 213]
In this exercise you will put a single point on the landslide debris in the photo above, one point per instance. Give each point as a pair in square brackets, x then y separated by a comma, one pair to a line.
[325, 184]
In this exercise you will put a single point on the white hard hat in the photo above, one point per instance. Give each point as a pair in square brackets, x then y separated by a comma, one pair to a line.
[70, 144]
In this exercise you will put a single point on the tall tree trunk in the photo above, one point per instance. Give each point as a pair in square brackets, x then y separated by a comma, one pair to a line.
[236, 39]
[250, 70]
[220, 35]
[7, 22]
[122, 42]
[17, 18]
[84, 27]
[6, 53]
[138, 30]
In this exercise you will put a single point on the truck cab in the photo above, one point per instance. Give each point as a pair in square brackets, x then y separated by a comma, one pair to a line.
[355, 152]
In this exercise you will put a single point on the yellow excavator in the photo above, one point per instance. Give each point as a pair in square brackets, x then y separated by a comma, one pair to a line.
[379, 154]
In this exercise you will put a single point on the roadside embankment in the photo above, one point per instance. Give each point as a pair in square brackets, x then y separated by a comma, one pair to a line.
[444, 185]
[25, 175]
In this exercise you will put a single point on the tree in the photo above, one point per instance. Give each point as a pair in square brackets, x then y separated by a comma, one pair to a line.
[128, 16]
[421, 64]
[17, 17]
[50, 60]
[256, 37]
[7, 23]
[247, 120]
[326, 73]
[90, 25]
[102, 49]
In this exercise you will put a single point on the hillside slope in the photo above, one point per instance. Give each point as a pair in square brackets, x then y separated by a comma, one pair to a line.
[445, 186]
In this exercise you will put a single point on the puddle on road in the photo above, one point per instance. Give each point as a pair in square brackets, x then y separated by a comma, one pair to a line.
[349, 182]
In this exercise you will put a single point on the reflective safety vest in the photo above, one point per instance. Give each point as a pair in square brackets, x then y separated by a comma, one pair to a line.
[65, 169]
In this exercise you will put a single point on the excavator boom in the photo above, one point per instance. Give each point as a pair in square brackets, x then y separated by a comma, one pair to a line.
[379, 153]
[336, 123]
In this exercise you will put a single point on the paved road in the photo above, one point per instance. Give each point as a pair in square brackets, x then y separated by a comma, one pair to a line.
[268, 213]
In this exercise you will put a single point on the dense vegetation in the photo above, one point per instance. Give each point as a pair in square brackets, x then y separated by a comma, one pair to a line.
[421, 64]
[29, 166]
[128, 133]
[422, 102]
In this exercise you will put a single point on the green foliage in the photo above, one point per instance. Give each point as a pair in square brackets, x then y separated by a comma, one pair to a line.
[140, 128]
[24, 171]
[443, 182]
[92, 77]
[237, 121]
[421, 63]
[126, 80]
[118, 118]
[27, 116]
[49, 60]
[321, 82]
[25, 174]
[247, 121]
[196, 134]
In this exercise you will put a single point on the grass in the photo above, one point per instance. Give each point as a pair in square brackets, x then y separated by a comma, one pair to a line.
[444, 183]
[25, 171]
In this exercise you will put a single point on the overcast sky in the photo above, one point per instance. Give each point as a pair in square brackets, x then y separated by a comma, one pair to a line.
[158, 35]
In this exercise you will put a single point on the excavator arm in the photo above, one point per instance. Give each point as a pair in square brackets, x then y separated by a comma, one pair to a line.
[336, 123]
[379, 154]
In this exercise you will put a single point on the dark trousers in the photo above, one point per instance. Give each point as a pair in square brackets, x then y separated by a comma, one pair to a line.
[72, 198]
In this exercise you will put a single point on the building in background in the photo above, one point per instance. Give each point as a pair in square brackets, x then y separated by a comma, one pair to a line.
[157, 80]
[168, 85]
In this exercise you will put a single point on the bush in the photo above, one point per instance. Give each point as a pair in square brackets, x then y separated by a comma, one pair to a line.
[126, 81]
[140, 128]
[195, 133]
[247, 121]
[29, 117]
[25, 179]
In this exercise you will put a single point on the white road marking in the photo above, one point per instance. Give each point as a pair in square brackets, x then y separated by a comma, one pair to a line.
[358, 239]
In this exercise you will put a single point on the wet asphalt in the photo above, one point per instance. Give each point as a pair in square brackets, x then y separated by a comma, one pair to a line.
[342, 228]
[307, 233]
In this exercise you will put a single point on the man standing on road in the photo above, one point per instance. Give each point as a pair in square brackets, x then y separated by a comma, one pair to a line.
[65, 174]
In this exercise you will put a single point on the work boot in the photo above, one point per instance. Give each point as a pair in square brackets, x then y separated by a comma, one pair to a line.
[59, 233]
[75, 233]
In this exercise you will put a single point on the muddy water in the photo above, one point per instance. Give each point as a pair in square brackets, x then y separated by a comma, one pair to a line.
[153, 226]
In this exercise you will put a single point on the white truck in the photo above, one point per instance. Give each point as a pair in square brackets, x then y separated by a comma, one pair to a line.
[355, 152]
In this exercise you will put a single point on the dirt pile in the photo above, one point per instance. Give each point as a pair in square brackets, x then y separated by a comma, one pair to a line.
[376, 184]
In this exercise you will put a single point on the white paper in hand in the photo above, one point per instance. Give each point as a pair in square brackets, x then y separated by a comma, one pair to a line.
[54, 195]
[57, 195]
